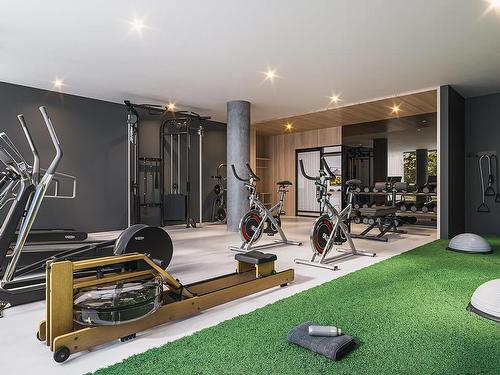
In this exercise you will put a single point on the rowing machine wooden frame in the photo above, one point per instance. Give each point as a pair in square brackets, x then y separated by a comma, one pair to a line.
[65, 337]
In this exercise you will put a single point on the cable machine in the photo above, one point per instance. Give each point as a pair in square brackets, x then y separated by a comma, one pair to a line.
[177, 130]
[176, 136]
[133, 197]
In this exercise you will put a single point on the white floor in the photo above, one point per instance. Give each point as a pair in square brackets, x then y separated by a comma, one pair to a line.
[198, 253]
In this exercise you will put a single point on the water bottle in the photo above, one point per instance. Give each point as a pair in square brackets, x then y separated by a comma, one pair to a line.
[324, 331]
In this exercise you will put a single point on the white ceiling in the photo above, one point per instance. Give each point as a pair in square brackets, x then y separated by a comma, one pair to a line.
[203, 53]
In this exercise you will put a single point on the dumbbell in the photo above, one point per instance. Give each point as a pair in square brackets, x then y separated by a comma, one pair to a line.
[380, 187]
[416, 206]
[400, 186]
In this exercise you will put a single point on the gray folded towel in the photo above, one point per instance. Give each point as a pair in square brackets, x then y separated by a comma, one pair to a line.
[331, 347]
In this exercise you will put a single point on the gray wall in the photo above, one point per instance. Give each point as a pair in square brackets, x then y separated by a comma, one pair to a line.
[482, 133]
[93, 137]
[452, 162]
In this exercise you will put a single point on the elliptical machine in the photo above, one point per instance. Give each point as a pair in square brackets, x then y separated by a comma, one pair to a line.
[331, 228]
[16, 290]
[261, 219]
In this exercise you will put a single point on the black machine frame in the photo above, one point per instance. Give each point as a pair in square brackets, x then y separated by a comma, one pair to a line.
[175, 126]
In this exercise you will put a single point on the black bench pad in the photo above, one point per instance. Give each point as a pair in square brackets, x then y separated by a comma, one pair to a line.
[255, 257]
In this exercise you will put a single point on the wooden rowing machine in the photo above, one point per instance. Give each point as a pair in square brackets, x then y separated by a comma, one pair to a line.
[65, 334]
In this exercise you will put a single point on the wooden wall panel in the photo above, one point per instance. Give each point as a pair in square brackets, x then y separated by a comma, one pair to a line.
[281, 150]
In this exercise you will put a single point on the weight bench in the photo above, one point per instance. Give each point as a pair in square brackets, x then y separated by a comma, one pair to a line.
[263, 263]
[384, 219]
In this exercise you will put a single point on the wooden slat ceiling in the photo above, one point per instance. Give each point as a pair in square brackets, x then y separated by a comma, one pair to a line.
[410, 105]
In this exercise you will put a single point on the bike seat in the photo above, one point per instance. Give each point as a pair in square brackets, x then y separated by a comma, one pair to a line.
[284, 183]
[353, 183]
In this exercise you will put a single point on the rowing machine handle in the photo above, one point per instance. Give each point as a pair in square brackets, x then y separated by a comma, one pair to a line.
[301, 164]
[236, 174]
[253, 175]
[326, 168]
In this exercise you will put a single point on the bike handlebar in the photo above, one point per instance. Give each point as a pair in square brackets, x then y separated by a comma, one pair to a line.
[252, 175]
[326, 168]
[301, 164]
[236, 174]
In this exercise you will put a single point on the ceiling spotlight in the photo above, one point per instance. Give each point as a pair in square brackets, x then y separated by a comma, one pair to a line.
[58, 83]
[334, 98]
[270, 75]
[395, 109]
[171, 107]
[289, 126]
[494, 4]
[137, 25]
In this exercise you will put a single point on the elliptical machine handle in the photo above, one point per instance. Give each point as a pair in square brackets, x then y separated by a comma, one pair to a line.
[236, 174]
[326, 168]
[36, 159]
[53, 136]
[253, 175]
[301, 164]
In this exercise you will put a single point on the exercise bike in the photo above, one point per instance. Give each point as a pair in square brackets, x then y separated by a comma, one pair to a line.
[331, 227]
[261, 219]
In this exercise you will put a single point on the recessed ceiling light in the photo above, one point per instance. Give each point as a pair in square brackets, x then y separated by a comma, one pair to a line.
[289, 126]
[494, 4]
[270, 75]
[137, 25]
[334, 98]
[57, 83]
[395, 109]
[171, 107]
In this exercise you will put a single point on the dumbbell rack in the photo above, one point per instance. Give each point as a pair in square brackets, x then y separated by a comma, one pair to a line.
[393, 199]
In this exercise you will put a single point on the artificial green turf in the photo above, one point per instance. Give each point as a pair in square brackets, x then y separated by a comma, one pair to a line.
[407, 314]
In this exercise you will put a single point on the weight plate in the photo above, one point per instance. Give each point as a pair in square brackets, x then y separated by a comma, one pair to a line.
[221, 214]
[217, 189]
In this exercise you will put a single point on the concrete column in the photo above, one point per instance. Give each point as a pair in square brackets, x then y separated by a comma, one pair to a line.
[238, 153]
